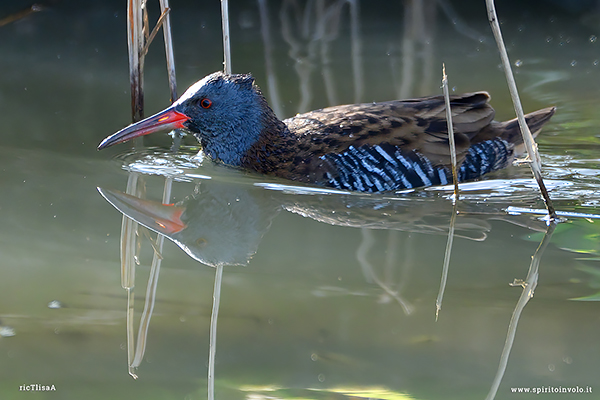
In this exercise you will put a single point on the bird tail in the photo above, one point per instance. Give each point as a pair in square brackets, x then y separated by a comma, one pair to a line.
[510, 131]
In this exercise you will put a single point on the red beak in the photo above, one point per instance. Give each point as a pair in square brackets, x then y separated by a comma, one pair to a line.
[166, 120]
[161, 218]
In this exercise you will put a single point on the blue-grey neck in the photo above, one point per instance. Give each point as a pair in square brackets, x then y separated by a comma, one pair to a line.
[235, 118]
[232, 139]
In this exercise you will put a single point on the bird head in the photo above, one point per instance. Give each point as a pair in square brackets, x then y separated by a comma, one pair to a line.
[226, 113]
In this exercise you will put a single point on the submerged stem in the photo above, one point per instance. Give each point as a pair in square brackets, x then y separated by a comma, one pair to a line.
[529, 286]
[446, 266]
[213, 331]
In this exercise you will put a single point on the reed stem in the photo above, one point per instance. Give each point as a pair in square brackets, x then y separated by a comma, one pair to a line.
[450, 131]
[226, 47]
[535, 162]
[212, 349]
[168, 38]
[129, 228]
[139, 40]
[135, 44]
[448, 252]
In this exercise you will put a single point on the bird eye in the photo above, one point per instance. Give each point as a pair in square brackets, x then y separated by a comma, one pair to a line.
[205, 103]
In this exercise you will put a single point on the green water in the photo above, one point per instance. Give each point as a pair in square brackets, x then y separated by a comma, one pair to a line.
[337, 300]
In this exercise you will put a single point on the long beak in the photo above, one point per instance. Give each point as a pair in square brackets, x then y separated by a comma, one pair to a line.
[166, 120]
[161, 218]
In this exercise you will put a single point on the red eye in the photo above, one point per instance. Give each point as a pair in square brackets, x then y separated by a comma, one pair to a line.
[205, 103]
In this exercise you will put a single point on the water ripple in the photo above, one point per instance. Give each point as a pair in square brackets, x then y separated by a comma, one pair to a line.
[567, 179]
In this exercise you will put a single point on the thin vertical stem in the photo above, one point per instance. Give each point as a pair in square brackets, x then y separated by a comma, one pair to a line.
[148, 306]
[138, 41]
[212, 349]
[535, 162]
[448, 252]
[529, 285]
[446, 265]
[129, 228]
[226, 47]
[157, 256]
[450, 131]
[130, 337]
[164, 6]
[136, 58]
[213, 331]
[151, 287]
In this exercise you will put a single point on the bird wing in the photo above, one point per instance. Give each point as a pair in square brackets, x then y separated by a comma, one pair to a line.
[414, 124]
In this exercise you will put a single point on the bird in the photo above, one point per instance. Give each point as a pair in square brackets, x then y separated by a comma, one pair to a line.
[370, 147]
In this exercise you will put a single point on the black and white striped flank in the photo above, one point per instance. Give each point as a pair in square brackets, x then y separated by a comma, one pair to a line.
[385, 167]
[381, 168]
[484, 157]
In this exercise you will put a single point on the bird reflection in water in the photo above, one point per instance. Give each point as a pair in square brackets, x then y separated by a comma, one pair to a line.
[219, 224]
[223, 223]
